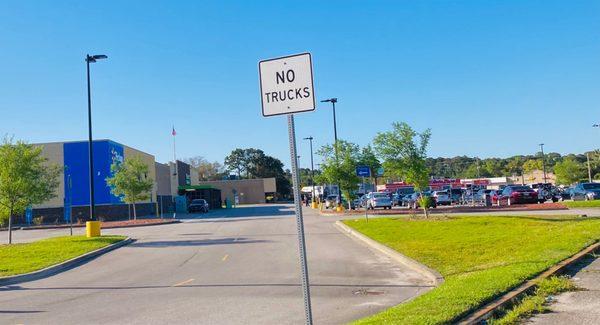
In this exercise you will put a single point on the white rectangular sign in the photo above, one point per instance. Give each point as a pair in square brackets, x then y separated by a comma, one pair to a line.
[286, 85]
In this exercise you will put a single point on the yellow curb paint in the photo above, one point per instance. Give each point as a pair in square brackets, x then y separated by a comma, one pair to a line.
[225, 257]
[182, 283]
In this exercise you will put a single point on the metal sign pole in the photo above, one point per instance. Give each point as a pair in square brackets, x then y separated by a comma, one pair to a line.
[366, 207]
[299, 219]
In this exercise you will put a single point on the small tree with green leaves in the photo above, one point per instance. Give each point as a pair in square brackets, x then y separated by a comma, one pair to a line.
[130, 181]
[404, 153]
[569, 171]
[340, 170]
[25, 179]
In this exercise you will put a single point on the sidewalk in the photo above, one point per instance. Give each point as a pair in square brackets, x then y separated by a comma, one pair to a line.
[578, 307]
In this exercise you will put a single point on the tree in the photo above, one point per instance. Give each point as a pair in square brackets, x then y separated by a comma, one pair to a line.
[130, 181]
[236, 161]
[340, 170]
[404, 153]
[25, 179]
[532, 164]
[569, 171]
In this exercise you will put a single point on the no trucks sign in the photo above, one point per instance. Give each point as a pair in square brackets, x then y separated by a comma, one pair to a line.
[286, 85]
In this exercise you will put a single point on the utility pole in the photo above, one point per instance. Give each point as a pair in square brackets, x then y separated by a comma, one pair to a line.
[543, 161]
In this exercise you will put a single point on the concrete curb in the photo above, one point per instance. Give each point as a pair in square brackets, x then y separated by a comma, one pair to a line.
[66, 265]
[432, 275]
[514, 296]
[83, 225]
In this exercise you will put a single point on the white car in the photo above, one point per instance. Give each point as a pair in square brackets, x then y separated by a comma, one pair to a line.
[378, 200]
[331, 201]
[442, 197]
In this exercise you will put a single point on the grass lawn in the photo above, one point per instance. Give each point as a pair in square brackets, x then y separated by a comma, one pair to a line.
[480, 257]
[582, 204]
[22, 258]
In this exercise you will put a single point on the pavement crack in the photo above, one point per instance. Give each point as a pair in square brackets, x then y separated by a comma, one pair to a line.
[188, 259]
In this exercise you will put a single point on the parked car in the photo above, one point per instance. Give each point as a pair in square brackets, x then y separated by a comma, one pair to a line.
[456, 195]
[514, 194]
[546, 191]
[586, 192]
[378, 200]
[331, 201]
[442, 197]
[198, 205]
[396, 199]
[413, 201]
[566, 193]
[494, 195]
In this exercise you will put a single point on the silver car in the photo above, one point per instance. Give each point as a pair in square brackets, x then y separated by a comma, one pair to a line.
[378, 200]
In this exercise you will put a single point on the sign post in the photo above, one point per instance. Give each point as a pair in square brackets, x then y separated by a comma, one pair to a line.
[364, 171]
[286, 87]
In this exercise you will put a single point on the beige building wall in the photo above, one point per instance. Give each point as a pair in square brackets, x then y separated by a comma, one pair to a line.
[149, 160]
[249, 191]
[55, 154]
[163, 179]
[536, 176]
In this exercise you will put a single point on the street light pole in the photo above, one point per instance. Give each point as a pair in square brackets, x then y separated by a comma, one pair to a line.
[91, 59]
[335, 137]
[543, 161]
[312, 168]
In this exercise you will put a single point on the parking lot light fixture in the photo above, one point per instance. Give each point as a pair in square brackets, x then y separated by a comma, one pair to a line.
[335, 138]
[312, 168]
[91, 59]
[543, 161]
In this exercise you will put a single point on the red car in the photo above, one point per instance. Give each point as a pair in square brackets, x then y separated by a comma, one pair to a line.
[515, 194]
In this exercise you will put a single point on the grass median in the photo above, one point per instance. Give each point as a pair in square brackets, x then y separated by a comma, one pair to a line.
[480, 257]
[23, 258]
[582, 204]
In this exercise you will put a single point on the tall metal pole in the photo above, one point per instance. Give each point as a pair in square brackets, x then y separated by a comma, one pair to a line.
[543, 161]
[90, 144]
[312, 168]
[299, 219]
[589, 167]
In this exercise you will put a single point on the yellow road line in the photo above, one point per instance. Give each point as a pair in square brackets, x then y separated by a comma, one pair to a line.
[225, 257]
[182, 283]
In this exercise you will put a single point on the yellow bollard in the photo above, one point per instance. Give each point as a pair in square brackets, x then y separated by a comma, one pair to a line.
[92, 229]
[339, 208]
[313, 205]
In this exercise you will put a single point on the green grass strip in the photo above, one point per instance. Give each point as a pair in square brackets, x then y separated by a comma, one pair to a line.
[480, 257]
[582, 204]
[23, 258]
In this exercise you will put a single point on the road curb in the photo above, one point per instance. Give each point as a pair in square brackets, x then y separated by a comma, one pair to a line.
[514, 296]
[66, 265]
[168, 222]
[432, 275]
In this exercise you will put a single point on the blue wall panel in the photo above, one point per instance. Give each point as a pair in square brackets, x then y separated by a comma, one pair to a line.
[76, 164]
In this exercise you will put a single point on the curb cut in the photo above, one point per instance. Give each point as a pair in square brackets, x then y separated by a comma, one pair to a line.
[64, 266]
[514, 296]
[432, 275]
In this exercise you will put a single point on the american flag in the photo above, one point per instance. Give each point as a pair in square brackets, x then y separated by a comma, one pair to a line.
[173, 133]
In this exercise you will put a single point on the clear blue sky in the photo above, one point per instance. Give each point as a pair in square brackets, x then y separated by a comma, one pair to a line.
[490, 78]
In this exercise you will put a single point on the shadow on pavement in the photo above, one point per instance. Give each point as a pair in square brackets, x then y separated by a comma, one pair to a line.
[243, 211]
[203, 242]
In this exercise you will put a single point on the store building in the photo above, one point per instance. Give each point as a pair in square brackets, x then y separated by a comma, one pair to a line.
[245, 191]
[74, 183]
